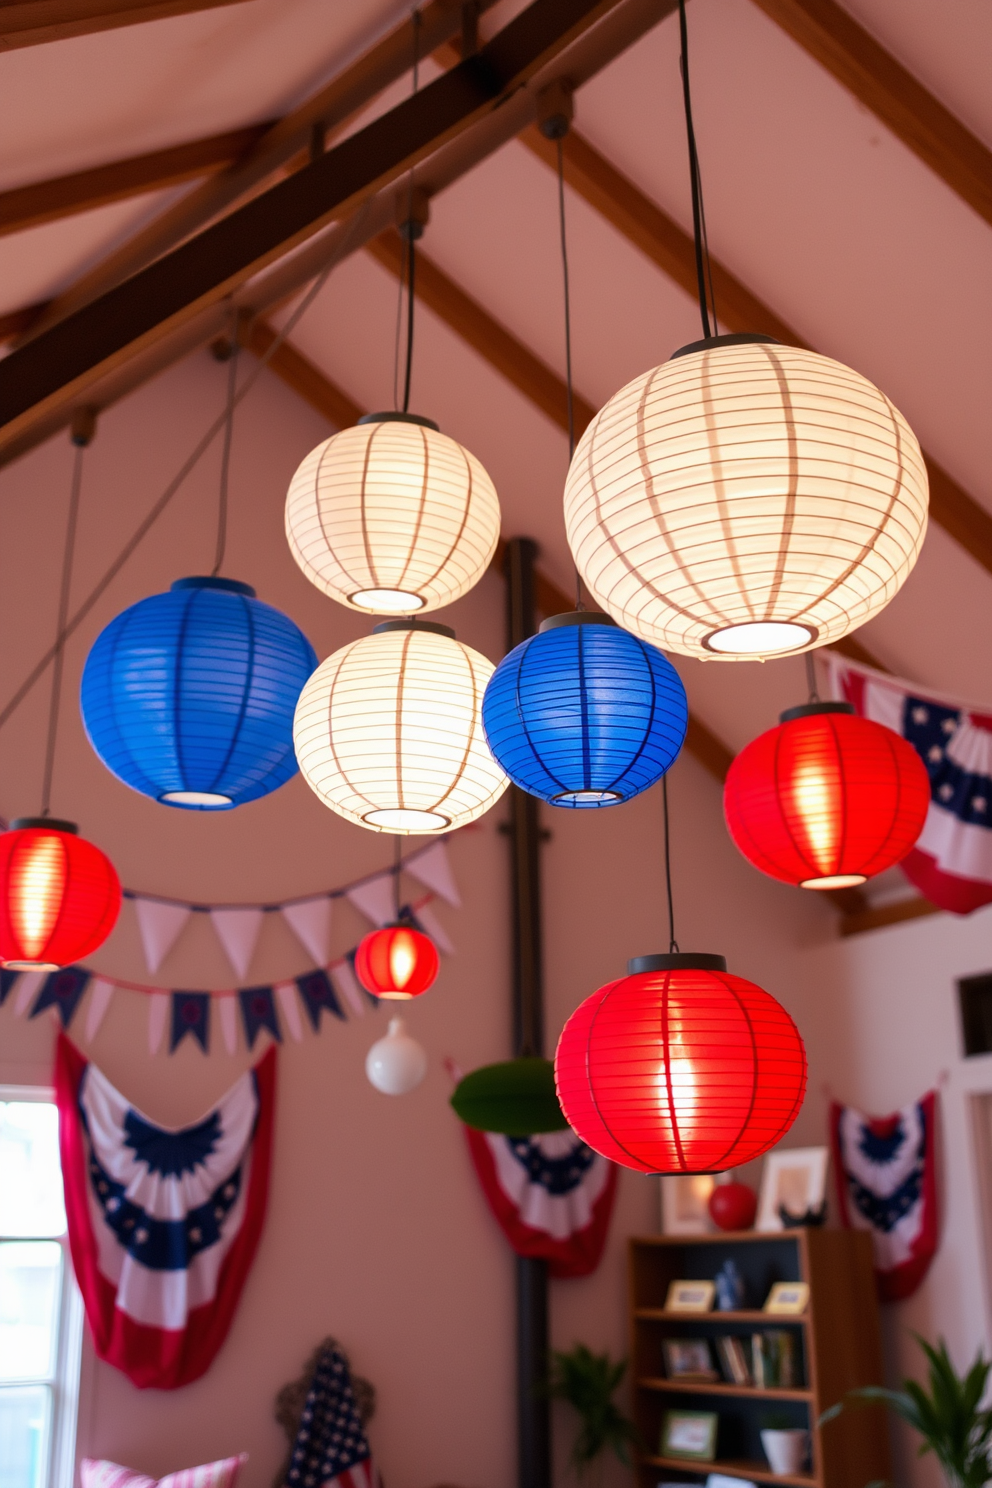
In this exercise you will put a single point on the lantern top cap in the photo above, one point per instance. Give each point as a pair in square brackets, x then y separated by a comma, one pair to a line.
[577, 617]
[211, 581]
[431, 625]
[736, 338]
[399, 418]
[809, 710]
[51, 822]
[676, 961]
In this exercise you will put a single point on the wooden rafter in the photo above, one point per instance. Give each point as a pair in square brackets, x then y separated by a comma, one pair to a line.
[855, 58]
[28, 22]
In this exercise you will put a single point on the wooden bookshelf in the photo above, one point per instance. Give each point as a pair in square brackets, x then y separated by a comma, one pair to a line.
[837, 1345]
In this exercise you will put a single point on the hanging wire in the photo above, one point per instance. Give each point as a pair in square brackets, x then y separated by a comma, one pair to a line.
[814, 695]
[411, 234]
[57, 669]
[704, 272]
[673, 944]
[397, 857]
[569, 391]
[225, 459]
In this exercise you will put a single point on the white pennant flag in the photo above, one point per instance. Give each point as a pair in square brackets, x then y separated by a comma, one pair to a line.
[158, 1013]
[290, 1008]
[101, 991]
[310, 922]
[228, 1012]
[346, 983]
[237, 931]
[160, 926]
[376, 899]
[27, 985]
[429, 920]
[433, 869]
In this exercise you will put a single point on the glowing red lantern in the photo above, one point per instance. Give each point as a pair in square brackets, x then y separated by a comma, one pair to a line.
[59, 895]
[397, 962]
[680, 1067]
[826, 799]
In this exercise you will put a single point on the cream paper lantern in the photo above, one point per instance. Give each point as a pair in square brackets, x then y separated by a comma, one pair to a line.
[746, 500]
[392, 516]
[388, 731]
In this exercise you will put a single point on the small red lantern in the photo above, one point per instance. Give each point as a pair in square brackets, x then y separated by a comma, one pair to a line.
[826, 799]
[733, 1206]
[680, 1067]
[59, 895]
[396, 961]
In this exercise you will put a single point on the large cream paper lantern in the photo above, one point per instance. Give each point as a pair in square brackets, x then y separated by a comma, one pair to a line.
[746, 499]
[388, 731]
[392, 516]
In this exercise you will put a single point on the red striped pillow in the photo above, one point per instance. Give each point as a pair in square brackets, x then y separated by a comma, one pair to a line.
[222, 1474]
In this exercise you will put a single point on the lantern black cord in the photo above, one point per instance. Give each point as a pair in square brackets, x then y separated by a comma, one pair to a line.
[569, 391]
[225, 459]
[411, 258]
[60, 636]
[673, 944]
[814, 696]
[704, 272]
[398, 841]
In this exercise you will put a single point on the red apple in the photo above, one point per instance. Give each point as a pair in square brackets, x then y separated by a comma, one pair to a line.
[733, 1206]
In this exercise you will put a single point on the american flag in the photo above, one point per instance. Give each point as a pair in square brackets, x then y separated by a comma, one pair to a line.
[331, 1450]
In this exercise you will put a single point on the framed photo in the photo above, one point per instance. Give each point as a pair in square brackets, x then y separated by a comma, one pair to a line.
[688, 1359]
[788, 1297]
[689, 1434]
[690, 1296]
[684, 1203]
[794, 1180]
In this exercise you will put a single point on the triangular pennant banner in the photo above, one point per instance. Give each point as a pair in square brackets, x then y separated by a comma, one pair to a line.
[258, 1011]
[376, 899]
[160, 926]
[158, 1016]
[345, 981]
[101, 991]
[27, 985]
[7, 980]
[433, 869]
[431, 925]
[370, 997]
[228, 1014]
[310, 922]
[190, 1014]
[286, 993]
[237, 931]
[317, 993]
[62, 991]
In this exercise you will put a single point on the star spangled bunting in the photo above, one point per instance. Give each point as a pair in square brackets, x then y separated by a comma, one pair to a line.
[62, 991]
[190, 1014]
[258, 1011]
[317, 993]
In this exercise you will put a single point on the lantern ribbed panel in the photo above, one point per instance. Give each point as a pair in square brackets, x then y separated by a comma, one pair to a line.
[826, 796]
[392, 505]
[585, 709]
[393, 722]
[59, 896]
[680, 1071]
[194, 691]
[396, 961]
[746, 484]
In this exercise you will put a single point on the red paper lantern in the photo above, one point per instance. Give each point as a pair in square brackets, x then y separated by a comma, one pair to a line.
[59, 895]
[733, 1206]
[397, 962]
[680, 1067]
[826, 799]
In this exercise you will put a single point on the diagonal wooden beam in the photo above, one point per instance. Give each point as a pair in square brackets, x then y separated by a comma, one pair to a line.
[664, 242]
[828, 33]
[27, 22]
[306, 379]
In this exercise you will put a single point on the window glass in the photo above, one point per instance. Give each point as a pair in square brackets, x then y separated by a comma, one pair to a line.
[25, 1428]
[30, 1172]
[30, 1293]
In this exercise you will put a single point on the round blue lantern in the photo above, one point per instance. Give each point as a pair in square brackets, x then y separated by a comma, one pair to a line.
[188, 697]
[583, 714]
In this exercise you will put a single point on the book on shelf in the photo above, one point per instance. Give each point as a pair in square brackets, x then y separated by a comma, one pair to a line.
[775, 1360]
[733, 1359]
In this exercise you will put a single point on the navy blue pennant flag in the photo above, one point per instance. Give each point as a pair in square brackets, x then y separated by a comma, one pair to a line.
[190, 1014]
[258, 1011]
[7, 980]
[349, 956]
[62, 990]
[317, 992]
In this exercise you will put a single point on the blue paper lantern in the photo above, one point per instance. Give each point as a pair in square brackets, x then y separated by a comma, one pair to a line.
[584, 714]
[188, 697]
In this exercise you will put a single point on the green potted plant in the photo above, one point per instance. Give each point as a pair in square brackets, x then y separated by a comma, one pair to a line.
[588, 1382]
[947, 1415]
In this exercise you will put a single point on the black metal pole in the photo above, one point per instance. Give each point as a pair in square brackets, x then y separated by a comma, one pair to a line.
[533, 1403]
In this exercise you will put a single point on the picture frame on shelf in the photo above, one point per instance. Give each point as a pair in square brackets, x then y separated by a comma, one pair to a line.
[689, 1434]
[685, 1203]
[689, 1359]
[793, 1188]
[787, 1298]
[690, 1296]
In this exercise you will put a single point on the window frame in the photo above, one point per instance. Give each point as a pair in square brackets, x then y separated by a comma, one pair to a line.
[65, 1382]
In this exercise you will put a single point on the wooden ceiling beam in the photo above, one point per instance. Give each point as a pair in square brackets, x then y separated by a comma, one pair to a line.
[26, 23]
[835, 39]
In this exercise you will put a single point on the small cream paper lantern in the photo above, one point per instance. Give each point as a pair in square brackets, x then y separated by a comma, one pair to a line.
[745, 500]
[396, 1064]
[388, 731]
[392, 516]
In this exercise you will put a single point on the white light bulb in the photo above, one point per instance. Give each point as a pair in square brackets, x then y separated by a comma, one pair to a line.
[397, 1063]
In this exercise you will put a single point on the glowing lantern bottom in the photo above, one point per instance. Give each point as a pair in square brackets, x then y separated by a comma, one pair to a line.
[59, 895]
[680, 1067]
[397, 962]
